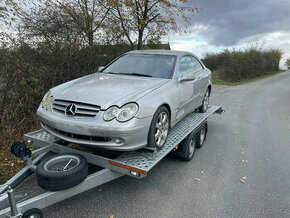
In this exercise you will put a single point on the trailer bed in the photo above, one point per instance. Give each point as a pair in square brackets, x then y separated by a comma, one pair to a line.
[142, 160]
[145, 160]
[134, 163]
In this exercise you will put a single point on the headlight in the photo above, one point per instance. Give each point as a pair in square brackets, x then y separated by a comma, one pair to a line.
[110, 113]
[46, 101]
[127, 112]
[123, 114]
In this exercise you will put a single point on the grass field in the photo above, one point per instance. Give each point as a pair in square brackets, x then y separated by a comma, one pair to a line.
[225, 82]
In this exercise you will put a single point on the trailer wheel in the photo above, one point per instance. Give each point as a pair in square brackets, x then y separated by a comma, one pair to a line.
[33, 213]
[201, 136]
[61, 171]
[187, 147]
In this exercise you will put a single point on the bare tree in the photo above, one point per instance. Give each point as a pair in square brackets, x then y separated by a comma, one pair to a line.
[9, 10]
[150, 18]
[67, 19]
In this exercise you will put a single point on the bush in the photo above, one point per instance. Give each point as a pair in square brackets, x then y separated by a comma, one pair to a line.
[236, 66]
[288, 63]
[27, 73]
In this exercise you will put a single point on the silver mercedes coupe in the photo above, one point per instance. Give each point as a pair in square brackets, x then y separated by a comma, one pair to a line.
[129, 104]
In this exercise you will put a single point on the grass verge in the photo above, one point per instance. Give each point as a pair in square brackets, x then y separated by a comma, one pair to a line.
[225, 82]
[9, 165]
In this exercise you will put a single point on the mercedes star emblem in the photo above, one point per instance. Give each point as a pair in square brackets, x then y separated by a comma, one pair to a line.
[70, 110]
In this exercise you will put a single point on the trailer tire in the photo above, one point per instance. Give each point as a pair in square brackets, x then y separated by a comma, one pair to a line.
[201, 136]
[34, 212]
[54, 174]
[187, 147]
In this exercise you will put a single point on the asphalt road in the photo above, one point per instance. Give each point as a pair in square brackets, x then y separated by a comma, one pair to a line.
[255, 128]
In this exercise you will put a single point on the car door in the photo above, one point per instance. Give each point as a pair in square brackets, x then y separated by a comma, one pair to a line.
[200, 77]
[186, 89]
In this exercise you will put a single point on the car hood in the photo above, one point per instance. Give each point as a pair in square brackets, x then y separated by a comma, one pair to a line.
[106, 90]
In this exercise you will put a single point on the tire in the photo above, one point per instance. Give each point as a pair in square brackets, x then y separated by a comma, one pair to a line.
[187, 147]
[205, 102]
[155, 140]
[34, 212]
[52, 176]
[201, 136]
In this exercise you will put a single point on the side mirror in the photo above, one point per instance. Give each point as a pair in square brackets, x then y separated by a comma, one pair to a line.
[101, 68]
[184, 78]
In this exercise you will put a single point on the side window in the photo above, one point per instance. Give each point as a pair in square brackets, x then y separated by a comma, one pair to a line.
[196, 65]
[189, 64]
[186, 65]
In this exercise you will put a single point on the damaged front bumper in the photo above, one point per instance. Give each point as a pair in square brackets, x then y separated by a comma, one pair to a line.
[95, 132]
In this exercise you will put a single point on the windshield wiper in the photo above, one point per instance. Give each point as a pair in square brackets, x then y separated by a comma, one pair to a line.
[135, 74]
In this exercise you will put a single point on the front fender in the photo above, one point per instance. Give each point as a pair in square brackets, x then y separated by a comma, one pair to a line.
[165, 95]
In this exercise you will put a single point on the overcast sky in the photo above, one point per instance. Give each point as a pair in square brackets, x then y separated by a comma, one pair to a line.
[237, 24]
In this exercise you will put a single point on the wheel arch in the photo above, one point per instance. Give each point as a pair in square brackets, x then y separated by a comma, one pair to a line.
[169, 110]
[209, 88]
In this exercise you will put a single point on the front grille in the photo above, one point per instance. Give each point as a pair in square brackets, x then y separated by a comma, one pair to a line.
[78, 136]
[82, 109]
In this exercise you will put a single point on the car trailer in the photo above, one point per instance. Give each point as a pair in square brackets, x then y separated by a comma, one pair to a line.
[132, 163]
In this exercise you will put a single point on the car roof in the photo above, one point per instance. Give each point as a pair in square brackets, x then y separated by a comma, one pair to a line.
[161, 52]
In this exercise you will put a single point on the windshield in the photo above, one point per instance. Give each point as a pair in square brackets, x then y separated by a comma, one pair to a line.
[159, 66]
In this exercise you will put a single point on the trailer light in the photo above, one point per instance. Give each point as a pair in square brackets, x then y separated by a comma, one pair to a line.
[133, 173]
[115, 163]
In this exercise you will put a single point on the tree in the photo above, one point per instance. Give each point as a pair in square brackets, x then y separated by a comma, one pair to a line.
[67, 19]
[150, 19]
[8, 10]
[288, 63]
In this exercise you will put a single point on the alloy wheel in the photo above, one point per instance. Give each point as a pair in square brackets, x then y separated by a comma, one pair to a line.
[162, 128]
[206, 101]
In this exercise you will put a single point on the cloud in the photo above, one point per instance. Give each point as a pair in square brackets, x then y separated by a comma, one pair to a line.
[230, 20]
[237, 24]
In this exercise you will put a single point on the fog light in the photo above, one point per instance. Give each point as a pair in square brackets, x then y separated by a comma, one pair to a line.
[118, 141]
